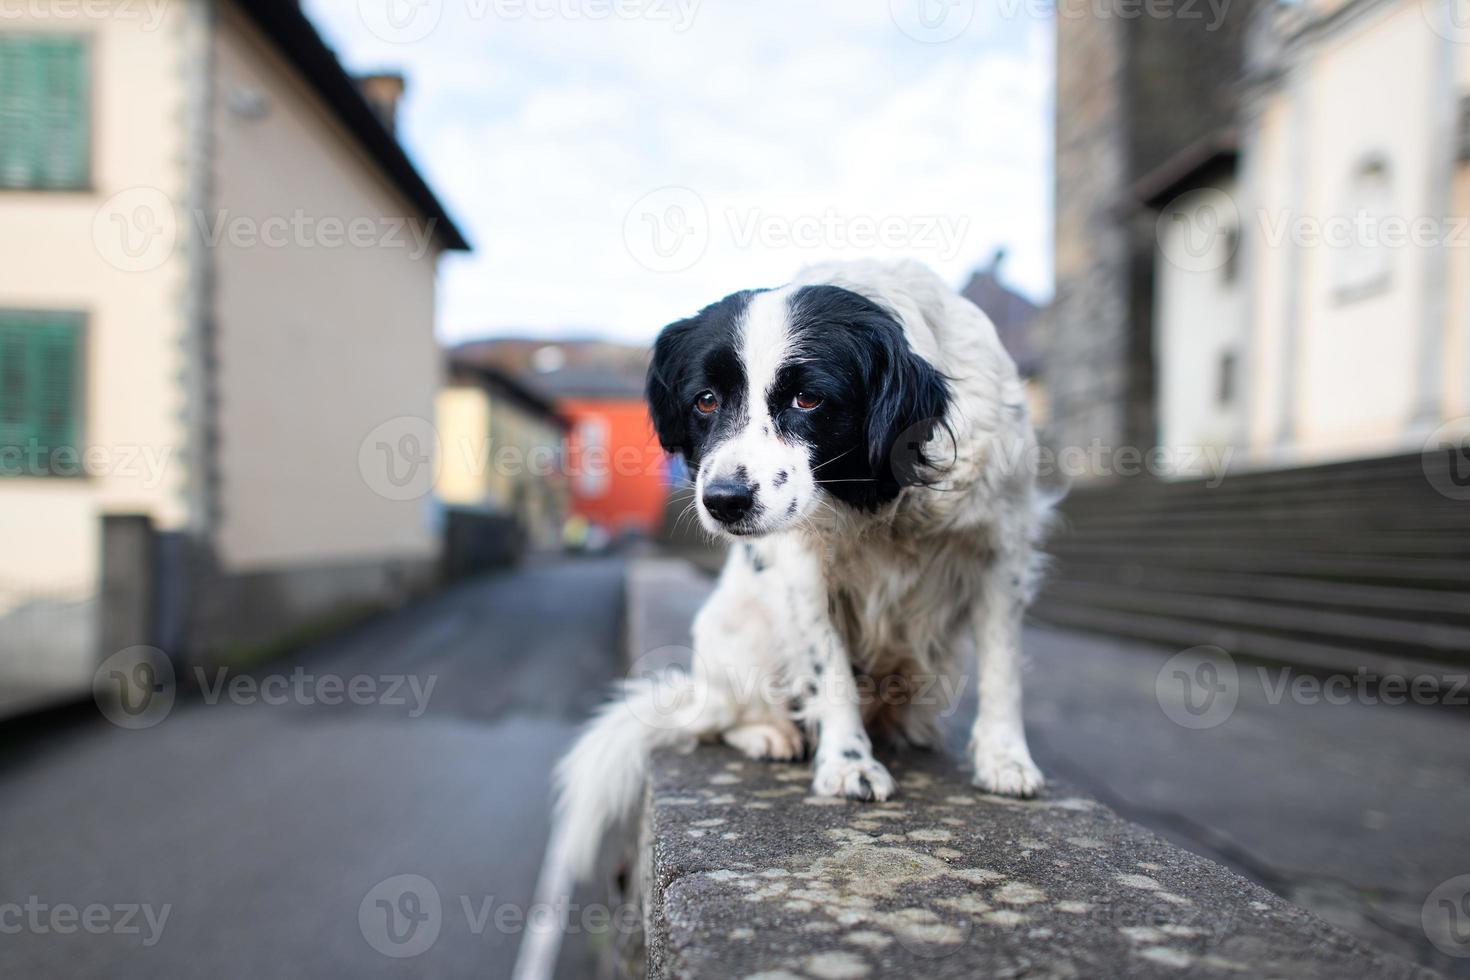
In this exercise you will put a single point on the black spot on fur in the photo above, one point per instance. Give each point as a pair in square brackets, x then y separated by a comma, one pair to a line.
[756, 561]
[852, 754]
[781, 477]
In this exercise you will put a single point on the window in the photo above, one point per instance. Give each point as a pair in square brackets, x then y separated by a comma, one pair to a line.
[44, 139]
[1363, 260]
[1230, 271]
[1225, 383]
[40, 418]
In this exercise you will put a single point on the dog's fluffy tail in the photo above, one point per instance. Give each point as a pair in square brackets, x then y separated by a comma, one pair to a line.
[599, 783]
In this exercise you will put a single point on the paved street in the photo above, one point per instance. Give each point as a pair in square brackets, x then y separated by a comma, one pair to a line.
[1354, 810]
[240, 840]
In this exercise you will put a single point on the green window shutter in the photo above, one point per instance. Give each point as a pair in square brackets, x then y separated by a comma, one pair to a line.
[40, 376]
[45, 138]
[54, 393]
[15, 396]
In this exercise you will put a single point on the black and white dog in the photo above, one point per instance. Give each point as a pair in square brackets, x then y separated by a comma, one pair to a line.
[857, 435]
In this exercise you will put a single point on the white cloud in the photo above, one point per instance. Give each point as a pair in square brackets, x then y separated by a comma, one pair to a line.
[540, 134]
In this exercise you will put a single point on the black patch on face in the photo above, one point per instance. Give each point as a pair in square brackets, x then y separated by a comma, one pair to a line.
[879, 400]
[755, 559]
[692, 356]
[781, 477]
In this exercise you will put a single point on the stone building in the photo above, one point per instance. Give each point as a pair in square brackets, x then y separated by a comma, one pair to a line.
[1133, 96]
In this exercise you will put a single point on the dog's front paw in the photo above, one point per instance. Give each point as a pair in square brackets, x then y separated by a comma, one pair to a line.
[1006, 769]
[851, 774]
[780, 741]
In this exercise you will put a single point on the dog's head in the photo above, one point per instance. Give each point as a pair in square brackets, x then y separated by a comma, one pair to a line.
[779, 399]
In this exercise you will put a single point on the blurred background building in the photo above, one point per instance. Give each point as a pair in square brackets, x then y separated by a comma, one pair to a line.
[1262, 261]
[502, 452]
[616, 471]
[204, 310]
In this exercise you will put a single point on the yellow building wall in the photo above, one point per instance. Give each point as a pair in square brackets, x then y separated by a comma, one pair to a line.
[463, 419]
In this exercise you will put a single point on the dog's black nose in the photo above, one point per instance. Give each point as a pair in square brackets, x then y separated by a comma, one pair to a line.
[729, 501]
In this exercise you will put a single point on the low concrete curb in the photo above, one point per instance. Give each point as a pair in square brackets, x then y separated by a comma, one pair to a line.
[743, 873]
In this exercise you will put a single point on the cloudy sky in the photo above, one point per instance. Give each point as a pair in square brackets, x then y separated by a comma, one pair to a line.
[619, 163]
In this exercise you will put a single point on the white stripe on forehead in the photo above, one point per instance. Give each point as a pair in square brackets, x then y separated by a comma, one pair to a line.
[765, 345]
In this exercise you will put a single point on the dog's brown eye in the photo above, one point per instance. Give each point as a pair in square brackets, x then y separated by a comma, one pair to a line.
[806, 402]
[706, 402]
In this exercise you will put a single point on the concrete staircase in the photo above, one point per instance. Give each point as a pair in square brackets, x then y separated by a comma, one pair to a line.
[1339, 567]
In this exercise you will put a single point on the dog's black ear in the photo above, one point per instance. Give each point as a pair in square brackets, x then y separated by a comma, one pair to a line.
[667, 404]
[909, 402]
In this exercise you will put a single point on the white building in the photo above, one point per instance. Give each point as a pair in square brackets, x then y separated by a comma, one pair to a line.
[1312, 284]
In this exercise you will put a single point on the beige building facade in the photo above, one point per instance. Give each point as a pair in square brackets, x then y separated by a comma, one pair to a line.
[217, 274]
[1311, 300]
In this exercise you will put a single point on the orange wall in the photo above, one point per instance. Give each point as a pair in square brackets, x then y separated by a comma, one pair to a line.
[614, 464]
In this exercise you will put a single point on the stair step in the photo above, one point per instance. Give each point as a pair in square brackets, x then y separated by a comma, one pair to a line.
[1185, 634]
[1447, 574]
[1427, 639]
[1388, 601]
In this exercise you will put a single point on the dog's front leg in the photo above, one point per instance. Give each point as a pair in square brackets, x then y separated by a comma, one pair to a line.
[844, 763]
[998, 741]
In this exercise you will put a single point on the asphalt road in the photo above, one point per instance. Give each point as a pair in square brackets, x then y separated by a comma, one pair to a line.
[1352, 809]
[253, 839]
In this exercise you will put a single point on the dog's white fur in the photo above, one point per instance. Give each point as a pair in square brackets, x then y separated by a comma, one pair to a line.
[900, 593]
